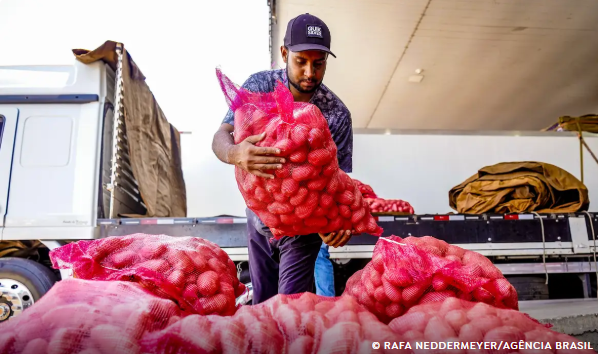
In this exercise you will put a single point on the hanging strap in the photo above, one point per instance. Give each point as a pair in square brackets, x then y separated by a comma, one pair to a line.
[581, 143]
[543, 245]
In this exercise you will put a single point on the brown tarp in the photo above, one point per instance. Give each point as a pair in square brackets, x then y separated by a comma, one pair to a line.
[587, 123]
[154, 144]
[516, 187]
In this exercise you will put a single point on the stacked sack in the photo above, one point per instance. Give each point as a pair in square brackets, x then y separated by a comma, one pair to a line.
[194, 272]
[294, 324]
[310, 194]
[366, 190]
[87, 317]
[379, 205]
[104, 317]
[412, 271]
[462, 322]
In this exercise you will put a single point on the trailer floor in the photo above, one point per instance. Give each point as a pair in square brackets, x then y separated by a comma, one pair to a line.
[577, 317]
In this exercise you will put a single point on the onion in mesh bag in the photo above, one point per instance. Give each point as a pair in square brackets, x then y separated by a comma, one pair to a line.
[194, 272]
[366, 190]
[411, 271]
[379, 205]
[302, 197]
[465, 322]
[302, 323]
[82, 316]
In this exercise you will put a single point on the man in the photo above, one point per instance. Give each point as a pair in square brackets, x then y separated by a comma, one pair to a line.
[287, 266]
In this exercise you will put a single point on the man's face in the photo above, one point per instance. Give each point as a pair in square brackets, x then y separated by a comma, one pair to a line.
[305, 69]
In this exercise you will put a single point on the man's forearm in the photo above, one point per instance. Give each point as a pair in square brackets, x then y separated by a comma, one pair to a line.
[222, 145]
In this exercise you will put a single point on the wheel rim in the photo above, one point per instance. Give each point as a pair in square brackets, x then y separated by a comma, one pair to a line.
[246, 296]
[15, 297]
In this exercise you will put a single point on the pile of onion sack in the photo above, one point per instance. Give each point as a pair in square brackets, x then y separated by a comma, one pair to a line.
[471, 327]
[295, 324]
[87, 317]
[379, 205]
[192, 271]
[310, 194]
[366, 190]
[413, 271]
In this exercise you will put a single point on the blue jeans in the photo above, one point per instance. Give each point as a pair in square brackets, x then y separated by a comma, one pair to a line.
[324, 273]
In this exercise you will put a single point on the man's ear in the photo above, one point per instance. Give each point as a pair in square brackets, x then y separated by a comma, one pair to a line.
[285, 53]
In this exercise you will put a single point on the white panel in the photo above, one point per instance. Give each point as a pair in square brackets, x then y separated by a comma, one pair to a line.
[46, 141]
[418, 168]
[55, 194]
[77, 78]
[87, 166]
[422, 168]
[7, 140]
[51, 233]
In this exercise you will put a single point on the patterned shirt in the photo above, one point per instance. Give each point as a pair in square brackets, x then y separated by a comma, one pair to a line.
[333, 109]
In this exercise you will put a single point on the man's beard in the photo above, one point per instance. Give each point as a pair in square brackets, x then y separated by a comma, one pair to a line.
[298, 87]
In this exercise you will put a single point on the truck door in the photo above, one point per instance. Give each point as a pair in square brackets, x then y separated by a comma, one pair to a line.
[8, 128]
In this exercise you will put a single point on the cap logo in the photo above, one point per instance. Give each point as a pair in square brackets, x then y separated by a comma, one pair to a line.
[314, 31]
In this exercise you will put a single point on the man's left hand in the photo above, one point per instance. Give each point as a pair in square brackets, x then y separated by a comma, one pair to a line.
[337, 239]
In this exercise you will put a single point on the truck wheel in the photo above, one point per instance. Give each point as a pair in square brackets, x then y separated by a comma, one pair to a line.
[22, 283]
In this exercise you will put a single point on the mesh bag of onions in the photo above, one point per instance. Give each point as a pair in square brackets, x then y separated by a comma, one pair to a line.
[366, 190]
[87, 317]
[412, 271]
[194, 272]
[310, 194]
[379, 205]
[468, 323]
[294, 324]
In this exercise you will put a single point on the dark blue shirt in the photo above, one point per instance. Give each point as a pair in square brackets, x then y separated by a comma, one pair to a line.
[333, 109]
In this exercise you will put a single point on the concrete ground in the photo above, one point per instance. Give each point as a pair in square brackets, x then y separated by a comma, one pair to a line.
[578, 317]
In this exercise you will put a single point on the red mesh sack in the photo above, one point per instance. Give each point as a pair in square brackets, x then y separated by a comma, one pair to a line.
[81, 316]
[412, 271]
[294, 324]
[310, 193]
[366, 190]
[194, 272]
[379, 205]
[467, 323]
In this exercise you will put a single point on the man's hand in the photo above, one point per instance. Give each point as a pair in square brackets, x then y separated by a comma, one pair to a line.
[254, 159]
[337, 239]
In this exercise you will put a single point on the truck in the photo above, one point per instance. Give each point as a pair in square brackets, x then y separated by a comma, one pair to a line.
[66, 175]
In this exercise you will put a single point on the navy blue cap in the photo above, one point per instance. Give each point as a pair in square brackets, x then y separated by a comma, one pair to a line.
[307, 32]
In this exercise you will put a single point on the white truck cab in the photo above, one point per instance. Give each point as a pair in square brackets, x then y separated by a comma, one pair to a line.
[59, 137]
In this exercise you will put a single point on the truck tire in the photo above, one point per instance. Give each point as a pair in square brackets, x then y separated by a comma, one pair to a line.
[23, 283]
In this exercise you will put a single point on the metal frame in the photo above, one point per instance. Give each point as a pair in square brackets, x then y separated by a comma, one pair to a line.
[45, 99]
[118, 113]
[123, 186]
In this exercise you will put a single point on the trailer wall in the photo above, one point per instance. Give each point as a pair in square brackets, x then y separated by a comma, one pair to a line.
[420, 167]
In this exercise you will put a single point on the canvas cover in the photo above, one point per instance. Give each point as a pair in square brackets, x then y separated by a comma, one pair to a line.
[517, 187]
[154, 144]
[587, 123]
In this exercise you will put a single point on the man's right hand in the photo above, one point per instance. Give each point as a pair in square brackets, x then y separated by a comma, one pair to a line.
[254, 159]
[337, 239]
